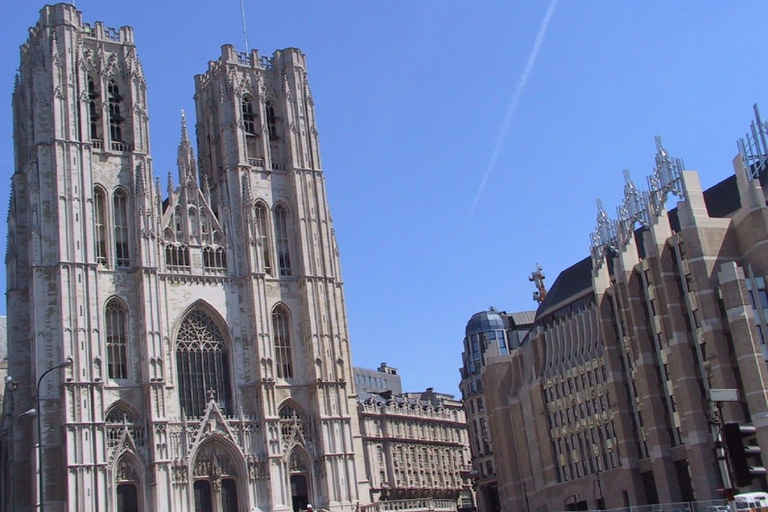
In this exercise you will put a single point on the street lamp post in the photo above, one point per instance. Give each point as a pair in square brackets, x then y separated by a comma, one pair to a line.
[41, 491]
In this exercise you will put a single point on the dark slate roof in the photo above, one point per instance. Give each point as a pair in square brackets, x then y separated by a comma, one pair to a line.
[571, 281]
[722, 200]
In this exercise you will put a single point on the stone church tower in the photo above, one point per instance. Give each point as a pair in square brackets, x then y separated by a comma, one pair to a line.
[204, 334]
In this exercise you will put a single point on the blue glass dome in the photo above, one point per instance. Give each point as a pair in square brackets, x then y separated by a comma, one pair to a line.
[484, 322]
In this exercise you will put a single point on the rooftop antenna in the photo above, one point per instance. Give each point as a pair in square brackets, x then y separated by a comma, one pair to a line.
[245, 30]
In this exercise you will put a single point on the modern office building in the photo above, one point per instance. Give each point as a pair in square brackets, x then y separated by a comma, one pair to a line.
[191, 346]
[612, 398]
[488, 333]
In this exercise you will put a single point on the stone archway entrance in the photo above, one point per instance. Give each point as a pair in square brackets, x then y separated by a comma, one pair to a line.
[299, 492]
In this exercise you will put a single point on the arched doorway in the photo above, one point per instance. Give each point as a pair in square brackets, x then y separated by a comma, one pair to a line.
[299, 491]
[216, 483]
[300, 482]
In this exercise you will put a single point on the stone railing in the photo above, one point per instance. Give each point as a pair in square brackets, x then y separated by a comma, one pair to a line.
[416, 505]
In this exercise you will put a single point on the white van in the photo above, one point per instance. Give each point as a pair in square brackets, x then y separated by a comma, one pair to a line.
[755, 501]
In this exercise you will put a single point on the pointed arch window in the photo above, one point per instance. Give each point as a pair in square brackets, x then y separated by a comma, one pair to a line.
[122, 256]
[214, 259]
[100, 221]
[271, 120]
[249, 117]
[262, 226]
[282, 336]
[115, 118]
[117, 340]
[281, 239]
[202, 364]
[177, 257]
[118, 420]
[93, 109]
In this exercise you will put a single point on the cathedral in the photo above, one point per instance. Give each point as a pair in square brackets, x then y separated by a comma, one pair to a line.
[182, 349]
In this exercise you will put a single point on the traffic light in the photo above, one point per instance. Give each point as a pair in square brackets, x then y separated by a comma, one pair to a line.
[740, 451]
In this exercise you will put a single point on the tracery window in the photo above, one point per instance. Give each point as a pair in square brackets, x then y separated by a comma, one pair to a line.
[177, 256]
[118, 420]
[117, 340]
[248, 115]
[93, 109]
[262, 227]
[100, 221]
[214, 258]
[281, 236]
[115, 118]
[202, 364]
[122, 254]
[282, 337]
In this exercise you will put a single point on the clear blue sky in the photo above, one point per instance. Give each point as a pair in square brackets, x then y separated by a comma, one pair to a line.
[462, 142]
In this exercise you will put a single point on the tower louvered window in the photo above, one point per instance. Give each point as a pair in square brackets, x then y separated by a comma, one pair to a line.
[282, 336]
[93, 109]
[248, 115]
[281, 235]
[271, 121]
[122, 255]
[202, 364]
[115, 117]
[117, 340]
[100, 226]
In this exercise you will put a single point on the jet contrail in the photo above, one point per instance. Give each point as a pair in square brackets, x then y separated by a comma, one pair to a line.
[514, 102]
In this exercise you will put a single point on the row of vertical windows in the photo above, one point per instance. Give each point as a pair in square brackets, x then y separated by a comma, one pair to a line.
[280, 213]
[120, 227]
[202, 359]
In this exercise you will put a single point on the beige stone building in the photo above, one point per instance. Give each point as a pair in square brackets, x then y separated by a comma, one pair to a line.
[416, 446]
[202, 326]
[607, 403]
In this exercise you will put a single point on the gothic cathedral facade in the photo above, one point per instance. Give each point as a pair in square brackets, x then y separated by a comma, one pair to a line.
[202, 330]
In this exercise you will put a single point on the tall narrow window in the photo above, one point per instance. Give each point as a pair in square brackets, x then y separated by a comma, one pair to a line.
[122, 255]
[93, 109]
[282, 336]
[202, 364]
[271, 121]
[100, 217]
[281, 235]
[248, 116]
[117, 340]
[263, 226]
[115, 117]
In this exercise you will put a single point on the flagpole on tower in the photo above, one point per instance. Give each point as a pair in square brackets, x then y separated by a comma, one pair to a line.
[245, 30]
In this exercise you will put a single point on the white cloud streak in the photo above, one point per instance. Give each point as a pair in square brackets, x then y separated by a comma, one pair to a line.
[513, 104]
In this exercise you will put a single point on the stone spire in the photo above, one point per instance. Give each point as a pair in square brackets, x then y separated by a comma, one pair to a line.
[186, 159]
